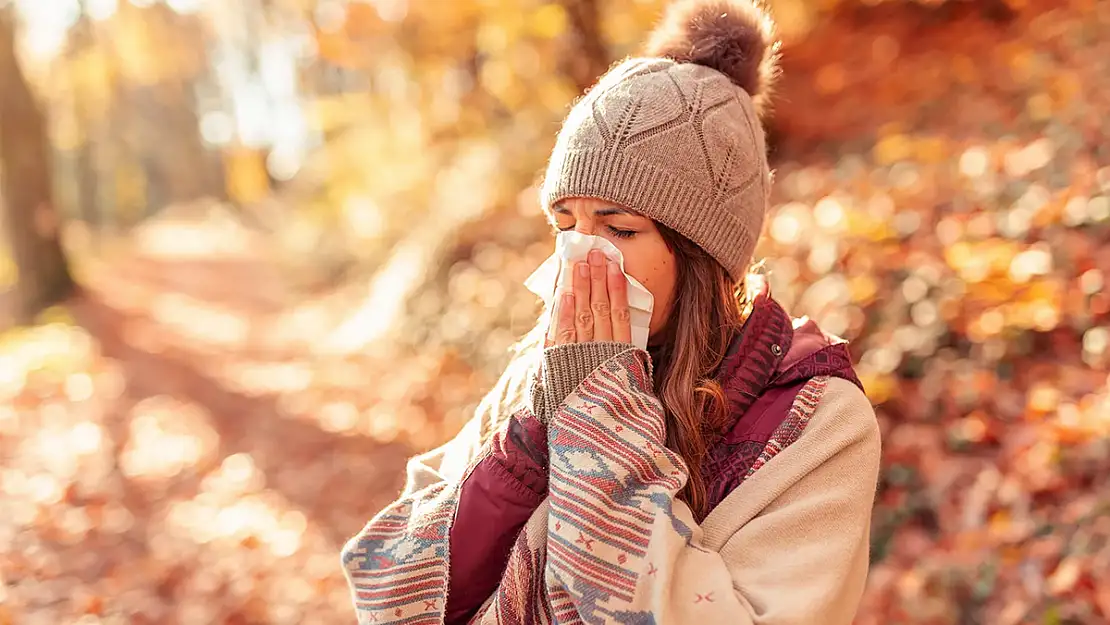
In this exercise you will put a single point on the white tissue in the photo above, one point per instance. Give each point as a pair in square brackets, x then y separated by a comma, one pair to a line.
[549, 283]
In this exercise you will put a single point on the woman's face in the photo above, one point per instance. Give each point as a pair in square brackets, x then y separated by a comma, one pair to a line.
[646, 256]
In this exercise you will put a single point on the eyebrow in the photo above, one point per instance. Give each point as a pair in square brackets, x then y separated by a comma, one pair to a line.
[601, 212]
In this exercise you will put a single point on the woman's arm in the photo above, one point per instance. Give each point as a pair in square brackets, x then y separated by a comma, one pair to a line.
[620, 546]
[497, 498]
[488, 500]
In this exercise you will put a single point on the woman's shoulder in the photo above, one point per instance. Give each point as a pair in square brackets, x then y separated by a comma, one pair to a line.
[827, 414]
[829, 442]
[841, 417]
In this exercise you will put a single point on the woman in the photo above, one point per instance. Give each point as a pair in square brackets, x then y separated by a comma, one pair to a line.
[725, 474]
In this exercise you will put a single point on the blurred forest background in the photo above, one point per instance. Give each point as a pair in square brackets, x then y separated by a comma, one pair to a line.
[259, 251]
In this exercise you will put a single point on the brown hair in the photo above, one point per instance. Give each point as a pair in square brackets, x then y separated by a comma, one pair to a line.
[709, 309]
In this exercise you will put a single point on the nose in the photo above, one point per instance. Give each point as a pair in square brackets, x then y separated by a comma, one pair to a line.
[585, 224]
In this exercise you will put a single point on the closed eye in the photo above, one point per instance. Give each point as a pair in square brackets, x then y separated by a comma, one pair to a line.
[620, 233]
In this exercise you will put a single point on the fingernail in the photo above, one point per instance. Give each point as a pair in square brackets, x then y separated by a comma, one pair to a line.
[614, 268]
[596, 258]
[583, 270]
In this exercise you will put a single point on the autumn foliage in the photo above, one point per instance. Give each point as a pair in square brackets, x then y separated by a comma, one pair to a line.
[238, 386]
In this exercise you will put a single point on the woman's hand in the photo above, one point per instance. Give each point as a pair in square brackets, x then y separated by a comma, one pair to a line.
[596, 309]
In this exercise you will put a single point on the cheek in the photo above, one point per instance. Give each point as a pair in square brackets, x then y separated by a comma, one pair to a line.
[654, 267]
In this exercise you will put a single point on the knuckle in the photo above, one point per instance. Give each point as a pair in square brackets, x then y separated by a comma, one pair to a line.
[601, 309]
[585, 318]
[622, 314]
[566, 336]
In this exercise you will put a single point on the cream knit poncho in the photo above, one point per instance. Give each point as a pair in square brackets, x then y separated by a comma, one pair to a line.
[611, 544]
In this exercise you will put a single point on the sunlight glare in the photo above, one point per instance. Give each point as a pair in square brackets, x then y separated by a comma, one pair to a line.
[339, 417]
[86, 437]
[384, 304]
[253, 115]
[1091, 282]
[13, 377]
[974, 162]
[391, 10]
[284, 162]
[79, 387]
[46, 24]
[238, 468]
[829, 212]
[217, 128]
[1030, 263]
[261, 378]
[180, 239]
[185, 7]
[363, 216]
[167, 437]
[100, 10]
[787, 225]
[199, 321]
[1096, 341]
[44, 489]
[1032, 157]
[263, 517]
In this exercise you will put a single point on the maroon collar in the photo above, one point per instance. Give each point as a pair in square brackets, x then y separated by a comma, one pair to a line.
[763, 370]
[775, 350]
[753, 358]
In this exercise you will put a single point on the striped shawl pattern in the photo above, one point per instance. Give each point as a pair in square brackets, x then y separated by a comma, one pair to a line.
[604, 545]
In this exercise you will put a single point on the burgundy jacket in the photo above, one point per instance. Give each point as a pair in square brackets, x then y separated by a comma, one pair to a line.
[765, 367]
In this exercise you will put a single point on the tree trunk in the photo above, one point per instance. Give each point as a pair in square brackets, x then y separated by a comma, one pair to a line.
[30, 216]
[164, 124]
[88, 188]
[584, 55]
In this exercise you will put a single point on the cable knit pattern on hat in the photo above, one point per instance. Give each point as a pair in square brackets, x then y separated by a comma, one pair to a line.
[677, 142]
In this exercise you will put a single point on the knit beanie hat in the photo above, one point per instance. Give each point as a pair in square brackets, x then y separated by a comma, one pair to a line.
[675, 134]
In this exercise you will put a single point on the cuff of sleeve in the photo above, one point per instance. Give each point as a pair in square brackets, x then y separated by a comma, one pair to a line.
[566, 366]
[538, 397]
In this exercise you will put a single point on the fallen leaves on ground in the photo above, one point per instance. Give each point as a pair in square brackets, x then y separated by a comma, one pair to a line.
[180, 451]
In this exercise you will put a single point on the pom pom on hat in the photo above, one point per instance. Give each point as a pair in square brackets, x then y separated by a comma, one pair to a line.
[734, 37]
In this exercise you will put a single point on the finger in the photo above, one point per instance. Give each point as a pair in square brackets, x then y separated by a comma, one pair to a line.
[564, 325]
[618, 303]
[599, 298]
[583, 317]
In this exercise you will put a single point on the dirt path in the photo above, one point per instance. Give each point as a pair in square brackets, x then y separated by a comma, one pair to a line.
[157, 477]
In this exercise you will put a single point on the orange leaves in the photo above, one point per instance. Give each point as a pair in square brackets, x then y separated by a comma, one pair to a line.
[942, 199]
[970, 238]
[345, 32]
[548, 20]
